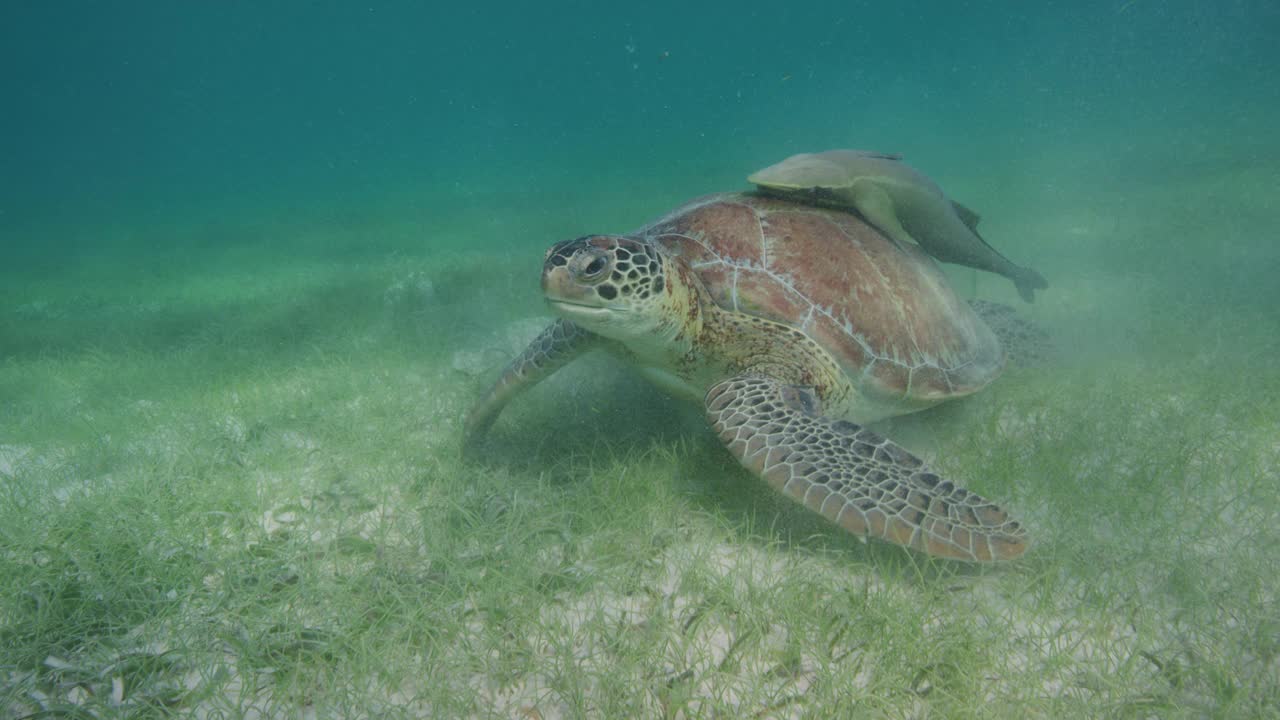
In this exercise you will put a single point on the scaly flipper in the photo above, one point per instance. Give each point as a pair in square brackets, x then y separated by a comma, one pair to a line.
[863, 482]
[555, 347]
[1025, 343]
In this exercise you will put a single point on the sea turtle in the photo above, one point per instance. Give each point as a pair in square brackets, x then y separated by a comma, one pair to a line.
[900, 201]
[791, 325]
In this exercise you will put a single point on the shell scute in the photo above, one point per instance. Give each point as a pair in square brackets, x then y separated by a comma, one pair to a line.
[886, 313]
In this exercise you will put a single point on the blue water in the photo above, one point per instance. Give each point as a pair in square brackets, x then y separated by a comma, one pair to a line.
[113, 111]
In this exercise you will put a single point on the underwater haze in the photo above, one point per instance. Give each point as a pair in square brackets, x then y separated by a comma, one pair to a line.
[258, 260]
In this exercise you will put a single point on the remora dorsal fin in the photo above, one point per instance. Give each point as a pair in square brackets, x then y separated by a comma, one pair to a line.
[881, 155]
[969, 217]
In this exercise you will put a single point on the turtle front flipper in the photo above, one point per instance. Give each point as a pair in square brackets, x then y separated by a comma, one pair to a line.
[861, 481]
[552, 349]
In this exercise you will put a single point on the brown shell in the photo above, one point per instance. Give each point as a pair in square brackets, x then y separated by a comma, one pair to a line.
[887, 314]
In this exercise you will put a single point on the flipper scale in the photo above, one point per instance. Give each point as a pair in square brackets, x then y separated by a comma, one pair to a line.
[861, 481]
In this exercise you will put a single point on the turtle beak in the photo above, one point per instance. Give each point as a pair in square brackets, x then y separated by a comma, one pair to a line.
[558, 285]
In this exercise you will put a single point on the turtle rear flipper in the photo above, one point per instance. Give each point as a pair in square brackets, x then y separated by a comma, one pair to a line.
[1026, 344]
[552, 349]
[857, 479]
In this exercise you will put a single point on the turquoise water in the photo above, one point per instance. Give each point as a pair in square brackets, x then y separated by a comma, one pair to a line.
[1124, 139]
[160, 110]
[204, 201]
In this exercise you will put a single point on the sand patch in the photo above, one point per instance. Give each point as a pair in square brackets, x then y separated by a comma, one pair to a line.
[11, 457]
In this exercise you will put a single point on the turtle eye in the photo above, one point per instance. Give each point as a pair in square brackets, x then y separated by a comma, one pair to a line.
[595, 268]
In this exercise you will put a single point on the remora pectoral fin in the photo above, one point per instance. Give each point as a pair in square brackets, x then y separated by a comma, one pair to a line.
[876, 207]
[859, 480]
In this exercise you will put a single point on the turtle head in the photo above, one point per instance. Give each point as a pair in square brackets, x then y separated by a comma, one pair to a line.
[618, 287]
